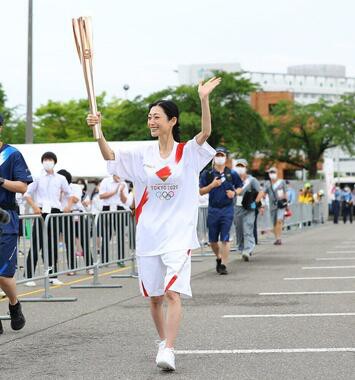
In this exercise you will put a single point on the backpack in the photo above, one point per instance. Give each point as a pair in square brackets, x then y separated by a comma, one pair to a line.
[248, 199]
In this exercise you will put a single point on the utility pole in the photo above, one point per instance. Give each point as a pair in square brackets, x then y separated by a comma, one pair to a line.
[29, 116]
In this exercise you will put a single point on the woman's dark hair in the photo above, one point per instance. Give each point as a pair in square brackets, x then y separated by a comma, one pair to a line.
[171, 110]
[49, 156]
[66, 174]
[81, 181]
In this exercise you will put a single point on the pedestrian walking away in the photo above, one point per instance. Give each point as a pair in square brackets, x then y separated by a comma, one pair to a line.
[248, 199]
[165, 176]
[14, 177]
[276, 189]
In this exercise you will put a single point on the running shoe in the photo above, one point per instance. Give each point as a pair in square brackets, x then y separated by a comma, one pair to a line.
[218, 265]
[223, 269]
[30, 284]
[161, 345]
[18, 320]
[246, 256]
[55, 281]
[166, 359]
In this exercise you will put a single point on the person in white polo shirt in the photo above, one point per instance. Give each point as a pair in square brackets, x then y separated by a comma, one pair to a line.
[43, 196]
[165, 175]
[113, 193]
[75, 227]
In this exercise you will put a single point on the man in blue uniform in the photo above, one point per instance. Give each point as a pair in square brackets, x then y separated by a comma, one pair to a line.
[14, 177]
[220, 183]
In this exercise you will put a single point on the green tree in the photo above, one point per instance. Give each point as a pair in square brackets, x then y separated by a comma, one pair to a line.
[300, 134]
[234, 123]
[64, 121]
[14, 131]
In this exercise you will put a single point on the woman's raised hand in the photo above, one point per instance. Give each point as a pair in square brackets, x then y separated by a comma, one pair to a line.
[92, 120]
[204, 89]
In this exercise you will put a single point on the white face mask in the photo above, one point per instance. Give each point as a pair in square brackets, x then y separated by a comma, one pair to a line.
[219, 160]
[48, 165]
[272, 175]
[241, 170]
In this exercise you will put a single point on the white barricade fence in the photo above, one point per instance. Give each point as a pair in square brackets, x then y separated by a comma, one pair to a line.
[75, 242]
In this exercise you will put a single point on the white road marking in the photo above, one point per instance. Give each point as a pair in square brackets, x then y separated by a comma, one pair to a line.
[340, 252]
[306, 293]
[334, 258]
[265, 351]
[318, 278]
[289, 315]
[335, 267]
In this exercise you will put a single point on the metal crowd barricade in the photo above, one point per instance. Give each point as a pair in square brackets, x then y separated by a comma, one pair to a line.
[34, 233]
[130, 238]
[112, 233]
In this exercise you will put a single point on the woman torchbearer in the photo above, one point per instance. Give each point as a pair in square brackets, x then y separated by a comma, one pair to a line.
[165, 175]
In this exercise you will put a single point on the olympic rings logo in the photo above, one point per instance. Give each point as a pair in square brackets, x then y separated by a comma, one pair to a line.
[167, 195]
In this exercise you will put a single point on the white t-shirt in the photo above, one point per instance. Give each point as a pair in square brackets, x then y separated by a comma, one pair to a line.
[108, 185]
[77, 192]
[166, 194]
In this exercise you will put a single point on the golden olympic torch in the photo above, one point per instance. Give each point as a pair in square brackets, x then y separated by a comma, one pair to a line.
[83, 40]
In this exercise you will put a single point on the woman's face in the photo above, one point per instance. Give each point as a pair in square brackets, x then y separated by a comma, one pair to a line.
[158, 122]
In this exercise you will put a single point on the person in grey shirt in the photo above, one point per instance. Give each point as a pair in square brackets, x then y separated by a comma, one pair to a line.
[277, 192]
[248, 197]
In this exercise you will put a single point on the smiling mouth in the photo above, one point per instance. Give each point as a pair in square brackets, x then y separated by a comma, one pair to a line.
[154, 129]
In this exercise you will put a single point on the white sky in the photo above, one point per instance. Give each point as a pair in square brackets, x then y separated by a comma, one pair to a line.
[141, 42]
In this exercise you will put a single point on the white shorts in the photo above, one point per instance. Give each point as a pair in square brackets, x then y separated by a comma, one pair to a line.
[169, 271]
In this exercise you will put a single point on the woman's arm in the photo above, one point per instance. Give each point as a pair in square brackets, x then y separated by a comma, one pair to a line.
[106, 151]
[204, 91]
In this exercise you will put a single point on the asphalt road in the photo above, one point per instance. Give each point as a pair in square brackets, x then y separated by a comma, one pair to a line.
[287, 314]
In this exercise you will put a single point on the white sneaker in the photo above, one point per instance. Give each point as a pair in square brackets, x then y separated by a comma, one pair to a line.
[55, 281]
[30, 284]
[246, 256]
[161, 345]
[166, 359]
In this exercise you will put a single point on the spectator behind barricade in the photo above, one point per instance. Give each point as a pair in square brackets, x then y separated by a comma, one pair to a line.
[93, 202]
[308, 194]
[336, 203]
[220, 183]
[114, 195]
[291, 193]
[277, 192]
[82, 183]
[347, 204]
[66, 223]
[318, 199]
[248, 199]
[43, 196]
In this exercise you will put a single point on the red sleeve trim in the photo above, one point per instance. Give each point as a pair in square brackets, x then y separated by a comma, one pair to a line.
[179, 152]
[142, 202]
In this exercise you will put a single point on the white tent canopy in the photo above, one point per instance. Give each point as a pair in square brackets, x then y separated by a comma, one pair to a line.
[81, 159]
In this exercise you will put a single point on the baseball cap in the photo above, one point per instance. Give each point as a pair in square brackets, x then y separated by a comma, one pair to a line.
[241, 161]
[1, 119]
[222, 149]
[272, 169]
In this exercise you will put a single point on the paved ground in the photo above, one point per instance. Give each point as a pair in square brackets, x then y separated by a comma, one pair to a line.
[235, 327]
